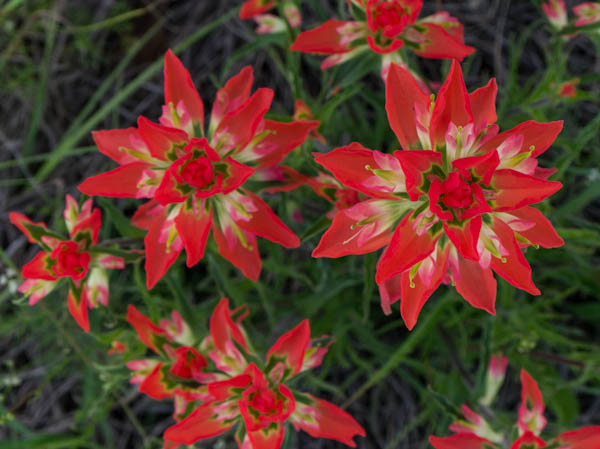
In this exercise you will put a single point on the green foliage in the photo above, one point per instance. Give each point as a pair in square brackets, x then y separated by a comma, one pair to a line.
[441, 363]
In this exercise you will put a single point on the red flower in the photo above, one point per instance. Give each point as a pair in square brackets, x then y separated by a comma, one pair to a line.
[475, 433]
[117, 347]
[257, 398]
[389, 25]
[180, 370]
[195, 181]
[79, 259]
[453, 205]
[587, 13]
[556, 12]
[494, 378]
[268, 23]
[567, 89]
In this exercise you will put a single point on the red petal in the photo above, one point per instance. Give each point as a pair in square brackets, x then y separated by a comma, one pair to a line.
[405, 249]
[441, 44]
[78, 308]
[37, 268]
[232, 96]
[161, 139]
[154, 384]
[251, 8]
[167, 191]
[414, 164]
[544, 173]
[483, 103]
[515, 268]
[584, 438]
[324, 39]
[223, 328]
[349, 166]
[390, 292]
[89, 225]
[462, 441]
[282, 138]
[180, 87]
[113, 142]
[147, 213]
[331, 422]
[290, 348]
[516, 189]
[531, 409]
[158, 257]
[402, 92]
[193, 226]
[452, 105]
[542, 233]
[266, 224]
[246, 258]
[202, 423]
[147, 331]
[414, 298]
[482, 166]
[527, 441]
[538, 135]
[238, 174]
[238, 127]
[122, 182]
[477, 285]
[340, 239]
[270, 438]
[225, 389]
[465, 236]
[23, 223]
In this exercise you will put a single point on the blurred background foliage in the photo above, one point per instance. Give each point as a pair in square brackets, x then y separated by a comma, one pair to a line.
[68, 67]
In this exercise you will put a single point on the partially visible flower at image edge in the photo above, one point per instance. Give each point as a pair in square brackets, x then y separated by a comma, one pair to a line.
[269, 23]
[232, 386]
[389, 26]
[475, 433]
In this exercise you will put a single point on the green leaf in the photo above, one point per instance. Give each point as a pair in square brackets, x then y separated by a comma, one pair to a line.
[564, 403]
[316, 228]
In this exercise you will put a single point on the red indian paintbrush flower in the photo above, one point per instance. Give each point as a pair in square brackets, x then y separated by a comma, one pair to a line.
[195, 181]
[256, 399]
[268, 23]
[475, 433]
[77, 258]
[587, 13]
[556, 12]
[452, 210]
[389, 25]
[180, 372]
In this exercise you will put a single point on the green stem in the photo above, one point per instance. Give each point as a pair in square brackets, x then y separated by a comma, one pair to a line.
[421, 331]
[72, 139]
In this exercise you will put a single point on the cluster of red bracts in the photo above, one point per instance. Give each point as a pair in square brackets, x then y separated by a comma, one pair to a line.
[381, 26]
[386, 27]
[195, 179]
[453, 204]
[78, 259]
[474, 432]
[221, 384]
[586, 13]
[450, 207]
